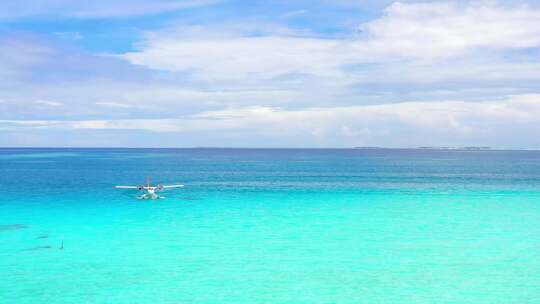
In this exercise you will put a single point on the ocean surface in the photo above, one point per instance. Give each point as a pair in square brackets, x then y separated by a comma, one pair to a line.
[270, 226]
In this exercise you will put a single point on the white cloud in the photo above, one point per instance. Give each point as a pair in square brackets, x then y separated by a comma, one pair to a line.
[19, 55]
[69, 35]
[409, 124]
[240, 57]
[441, 29]
[407, 35]
[294, 14]
[115, 105]
[48, 103]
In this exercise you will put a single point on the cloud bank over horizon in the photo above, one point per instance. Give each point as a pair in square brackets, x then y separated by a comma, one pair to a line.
[223, 73]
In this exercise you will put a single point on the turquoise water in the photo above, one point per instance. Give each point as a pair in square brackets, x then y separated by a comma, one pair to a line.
[270, 226]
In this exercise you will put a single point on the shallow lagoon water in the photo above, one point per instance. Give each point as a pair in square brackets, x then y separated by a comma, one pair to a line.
[270, 226]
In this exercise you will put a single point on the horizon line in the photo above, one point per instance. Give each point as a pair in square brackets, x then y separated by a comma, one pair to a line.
[443, 148]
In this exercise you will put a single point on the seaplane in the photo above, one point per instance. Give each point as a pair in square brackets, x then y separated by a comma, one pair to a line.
[149, 192]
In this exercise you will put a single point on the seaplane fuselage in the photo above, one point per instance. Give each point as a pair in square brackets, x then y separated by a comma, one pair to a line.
[149, 193]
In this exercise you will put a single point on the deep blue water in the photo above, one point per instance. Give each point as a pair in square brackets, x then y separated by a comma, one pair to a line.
[270, 226]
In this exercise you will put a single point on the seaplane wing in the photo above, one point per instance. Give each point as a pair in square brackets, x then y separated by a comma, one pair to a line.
[150, 191]
[172, 186]
[127, 187]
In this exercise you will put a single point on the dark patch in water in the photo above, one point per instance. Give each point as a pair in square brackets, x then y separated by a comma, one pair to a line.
[189, 198]
[12, 227]
[37, 248]
[43, 236]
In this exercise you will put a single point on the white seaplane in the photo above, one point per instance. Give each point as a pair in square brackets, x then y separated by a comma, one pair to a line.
[149, 191]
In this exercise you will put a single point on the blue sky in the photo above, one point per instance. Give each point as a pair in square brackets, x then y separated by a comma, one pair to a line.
[180, 73]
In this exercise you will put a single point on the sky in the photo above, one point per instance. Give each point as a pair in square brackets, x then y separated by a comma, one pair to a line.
[274, 73]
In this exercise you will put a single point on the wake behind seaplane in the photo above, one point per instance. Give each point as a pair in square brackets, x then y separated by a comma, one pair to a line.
[149, 191]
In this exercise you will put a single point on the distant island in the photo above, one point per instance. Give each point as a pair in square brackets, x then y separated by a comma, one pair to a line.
[475, 148]
[468, 148]
[371, 148]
